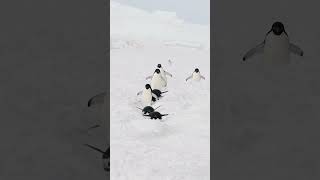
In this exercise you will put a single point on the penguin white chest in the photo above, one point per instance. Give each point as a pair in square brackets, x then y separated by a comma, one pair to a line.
[196, 76]
[146, 97]
[157, 82]
[276, 49]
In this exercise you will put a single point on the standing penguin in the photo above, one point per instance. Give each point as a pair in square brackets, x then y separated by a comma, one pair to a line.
[157, 81]
[164, 74]
[147, 95]
[196, 76]
[276, 46]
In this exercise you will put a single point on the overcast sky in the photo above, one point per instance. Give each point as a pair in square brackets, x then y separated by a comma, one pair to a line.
[194, 11]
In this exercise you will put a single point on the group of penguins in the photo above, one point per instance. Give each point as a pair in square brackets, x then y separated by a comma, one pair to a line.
[153, 91]
[276, 47]
[150, 94]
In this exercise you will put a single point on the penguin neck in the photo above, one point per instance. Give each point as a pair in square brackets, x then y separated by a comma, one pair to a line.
[157, 75]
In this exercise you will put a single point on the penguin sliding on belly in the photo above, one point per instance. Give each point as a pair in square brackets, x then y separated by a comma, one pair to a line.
[156, 115]
[276, 46]
[158, 93]
[196, 76]
[148, 109]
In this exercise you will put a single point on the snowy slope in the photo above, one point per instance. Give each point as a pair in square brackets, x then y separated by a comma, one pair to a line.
[178, 147]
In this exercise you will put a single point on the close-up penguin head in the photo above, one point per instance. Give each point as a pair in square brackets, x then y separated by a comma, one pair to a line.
[157, 71]
[277, 28]
[148, 86]
[159, 65]
[196, 70]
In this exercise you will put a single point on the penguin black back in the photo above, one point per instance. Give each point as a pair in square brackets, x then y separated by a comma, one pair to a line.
[157, 92]
[148, 109]
[156, 115]
[196, 70]
[157, 71]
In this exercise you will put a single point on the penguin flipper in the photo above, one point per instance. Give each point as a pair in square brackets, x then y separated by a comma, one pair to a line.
[189, 78]
[167, 73]
[97, 99]
[140, 92]
[295, 49]
[253, 51]
[149, 77]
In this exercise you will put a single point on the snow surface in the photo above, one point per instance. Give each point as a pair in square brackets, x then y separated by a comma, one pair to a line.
[179, 146]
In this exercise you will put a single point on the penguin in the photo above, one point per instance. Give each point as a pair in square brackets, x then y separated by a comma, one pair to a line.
[155, 115]
[148, 109]
[164, 74]
[196, 76]
[158, 93]
[276, 46]
[147, 96]
[105, 157]
[157, 81]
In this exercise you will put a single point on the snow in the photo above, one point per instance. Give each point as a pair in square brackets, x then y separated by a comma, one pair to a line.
[178, 147]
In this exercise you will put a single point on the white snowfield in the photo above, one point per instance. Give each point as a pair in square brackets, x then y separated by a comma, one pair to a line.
[178, 147]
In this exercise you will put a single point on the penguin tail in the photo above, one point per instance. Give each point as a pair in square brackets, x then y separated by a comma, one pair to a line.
[164, 92]
[164, 114]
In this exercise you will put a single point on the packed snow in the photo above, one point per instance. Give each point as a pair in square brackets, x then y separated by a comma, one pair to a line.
[178, 146]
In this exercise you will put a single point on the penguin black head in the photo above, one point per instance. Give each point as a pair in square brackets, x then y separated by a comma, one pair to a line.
[159, 65]
[157, 71]
[277, 28]
[148, 86]
[196, 70]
